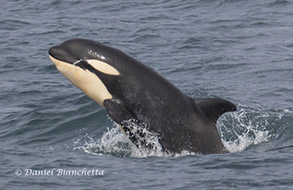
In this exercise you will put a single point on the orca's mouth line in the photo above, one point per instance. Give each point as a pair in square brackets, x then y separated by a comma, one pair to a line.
[77, 62]
[83, 64]
[55, 57]
[57, 61]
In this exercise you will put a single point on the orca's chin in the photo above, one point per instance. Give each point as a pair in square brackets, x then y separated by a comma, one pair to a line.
[57, 61]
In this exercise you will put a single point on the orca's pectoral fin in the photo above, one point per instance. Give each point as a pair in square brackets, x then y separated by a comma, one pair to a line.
[117, 111]
[213, 108]
[121, 115]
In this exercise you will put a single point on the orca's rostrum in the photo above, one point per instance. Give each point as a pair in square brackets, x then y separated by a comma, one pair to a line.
[129, 90]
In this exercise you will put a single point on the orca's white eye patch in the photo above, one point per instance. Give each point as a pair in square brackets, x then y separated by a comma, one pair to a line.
[103, 67]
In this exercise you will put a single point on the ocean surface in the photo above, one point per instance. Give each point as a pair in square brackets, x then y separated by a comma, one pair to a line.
[52, 136]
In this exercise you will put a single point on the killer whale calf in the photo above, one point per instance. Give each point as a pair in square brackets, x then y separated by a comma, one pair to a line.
[130, 91]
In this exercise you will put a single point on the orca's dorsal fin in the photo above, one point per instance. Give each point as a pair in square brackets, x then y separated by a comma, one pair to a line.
[213, 108]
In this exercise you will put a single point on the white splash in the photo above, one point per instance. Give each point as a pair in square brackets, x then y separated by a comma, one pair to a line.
[115, 142]
[112, 142]
[245, 129]
[239, 131]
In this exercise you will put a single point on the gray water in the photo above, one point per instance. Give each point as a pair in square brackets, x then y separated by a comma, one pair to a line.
[237, 50]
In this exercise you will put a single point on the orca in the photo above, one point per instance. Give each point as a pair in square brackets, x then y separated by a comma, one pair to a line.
[130, 91]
